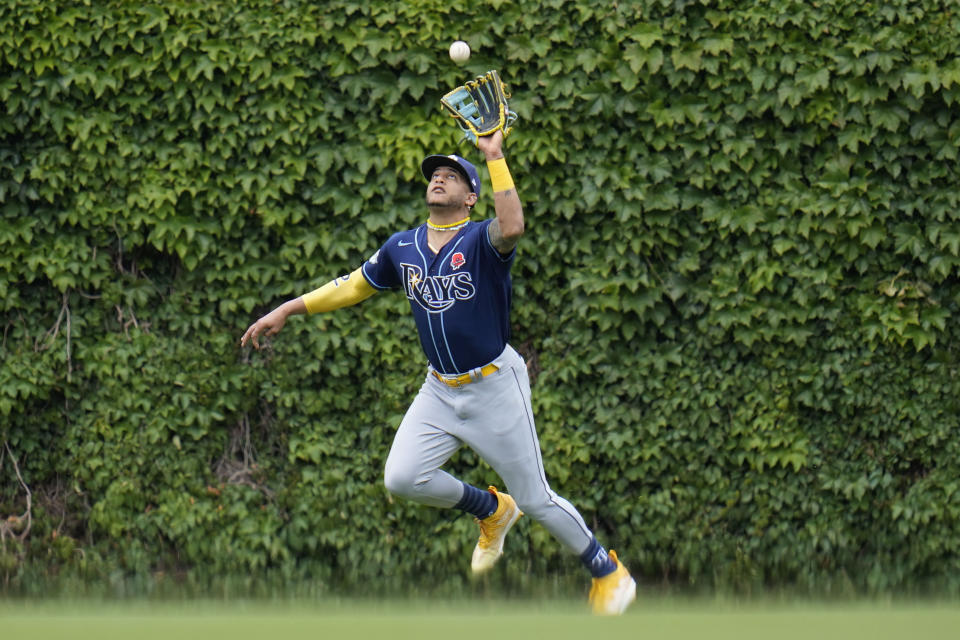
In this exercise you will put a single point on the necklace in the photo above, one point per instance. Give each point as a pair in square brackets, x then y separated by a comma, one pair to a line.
[453, 226]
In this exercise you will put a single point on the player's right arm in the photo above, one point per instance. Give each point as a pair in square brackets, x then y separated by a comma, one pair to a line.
[336, 294]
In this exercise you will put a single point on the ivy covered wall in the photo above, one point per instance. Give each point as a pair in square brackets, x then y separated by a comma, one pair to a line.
[738, 289]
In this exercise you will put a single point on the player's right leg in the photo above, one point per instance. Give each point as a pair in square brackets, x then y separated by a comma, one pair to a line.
[419, 449]
[421, 446]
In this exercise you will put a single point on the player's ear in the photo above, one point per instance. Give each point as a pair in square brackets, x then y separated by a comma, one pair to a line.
[471, 199]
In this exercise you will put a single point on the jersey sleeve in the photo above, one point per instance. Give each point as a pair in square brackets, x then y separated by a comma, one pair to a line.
[379, 270]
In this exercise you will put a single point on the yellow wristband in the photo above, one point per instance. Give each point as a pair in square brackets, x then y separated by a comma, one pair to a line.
[500, 176]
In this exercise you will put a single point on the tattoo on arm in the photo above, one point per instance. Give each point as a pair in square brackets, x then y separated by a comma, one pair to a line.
[500, 243]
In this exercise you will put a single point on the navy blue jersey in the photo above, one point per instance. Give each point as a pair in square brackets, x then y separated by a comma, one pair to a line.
[460, 297]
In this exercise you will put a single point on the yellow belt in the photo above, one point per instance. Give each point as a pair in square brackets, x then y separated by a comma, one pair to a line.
[459, 381]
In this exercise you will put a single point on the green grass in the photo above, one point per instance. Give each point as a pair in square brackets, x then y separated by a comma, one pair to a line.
[358, 620]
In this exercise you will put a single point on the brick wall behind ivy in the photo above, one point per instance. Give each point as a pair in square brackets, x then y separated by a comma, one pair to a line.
[738, 289]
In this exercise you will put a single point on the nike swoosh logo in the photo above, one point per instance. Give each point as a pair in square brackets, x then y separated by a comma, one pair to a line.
[404, 244]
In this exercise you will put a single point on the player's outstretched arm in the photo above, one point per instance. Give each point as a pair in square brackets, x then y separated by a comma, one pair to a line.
[336, 294]
[271, 323]
[506, 230]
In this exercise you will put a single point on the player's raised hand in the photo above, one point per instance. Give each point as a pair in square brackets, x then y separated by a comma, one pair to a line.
[492, 145]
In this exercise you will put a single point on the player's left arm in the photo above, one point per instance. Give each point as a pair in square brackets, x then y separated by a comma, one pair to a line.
[507, 228]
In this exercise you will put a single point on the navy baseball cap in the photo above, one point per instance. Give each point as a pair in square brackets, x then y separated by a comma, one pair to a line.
[467, 170]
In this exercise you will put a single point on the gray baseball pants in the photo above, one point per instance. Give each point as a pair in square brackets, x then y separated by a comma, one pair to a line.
[493, 417]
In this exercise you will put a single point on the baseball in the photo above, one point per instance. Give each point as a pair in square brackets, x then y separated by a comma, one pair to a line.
[459, 51]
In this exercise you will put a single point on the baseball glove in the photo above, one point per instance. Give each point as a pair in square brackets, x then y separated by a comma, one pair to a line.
[480, 107]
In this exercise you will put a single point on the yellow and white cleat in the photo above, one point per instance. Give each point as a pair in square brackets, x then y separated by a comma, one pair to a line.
[613, 593]
[493, 531]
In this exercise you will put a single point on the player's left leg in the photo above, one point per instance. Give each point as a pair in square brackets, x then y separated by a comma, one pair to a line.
[505, 436]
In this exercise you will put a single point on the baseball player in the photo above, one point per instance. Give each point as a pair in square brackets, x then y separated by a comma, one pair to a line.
[455, 272]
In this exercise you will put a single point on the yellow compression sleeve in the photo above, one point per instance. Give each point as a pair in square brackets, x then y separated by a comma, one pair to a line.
[339, 293]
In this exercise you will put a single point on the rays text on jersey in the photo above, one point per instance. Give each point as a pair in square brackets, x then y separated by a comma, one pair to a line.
[436, 293]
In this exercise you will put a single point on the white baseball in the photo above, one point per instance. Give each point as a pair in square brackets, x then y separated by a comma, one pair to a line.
[459, 51]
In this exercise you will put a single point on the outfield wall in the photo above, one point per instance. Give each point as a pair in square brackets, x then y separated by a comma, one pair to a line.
[737, 292]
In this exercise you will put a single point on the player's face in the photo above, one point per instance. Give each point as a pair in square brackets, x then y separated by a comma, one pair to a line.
[448, 188]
